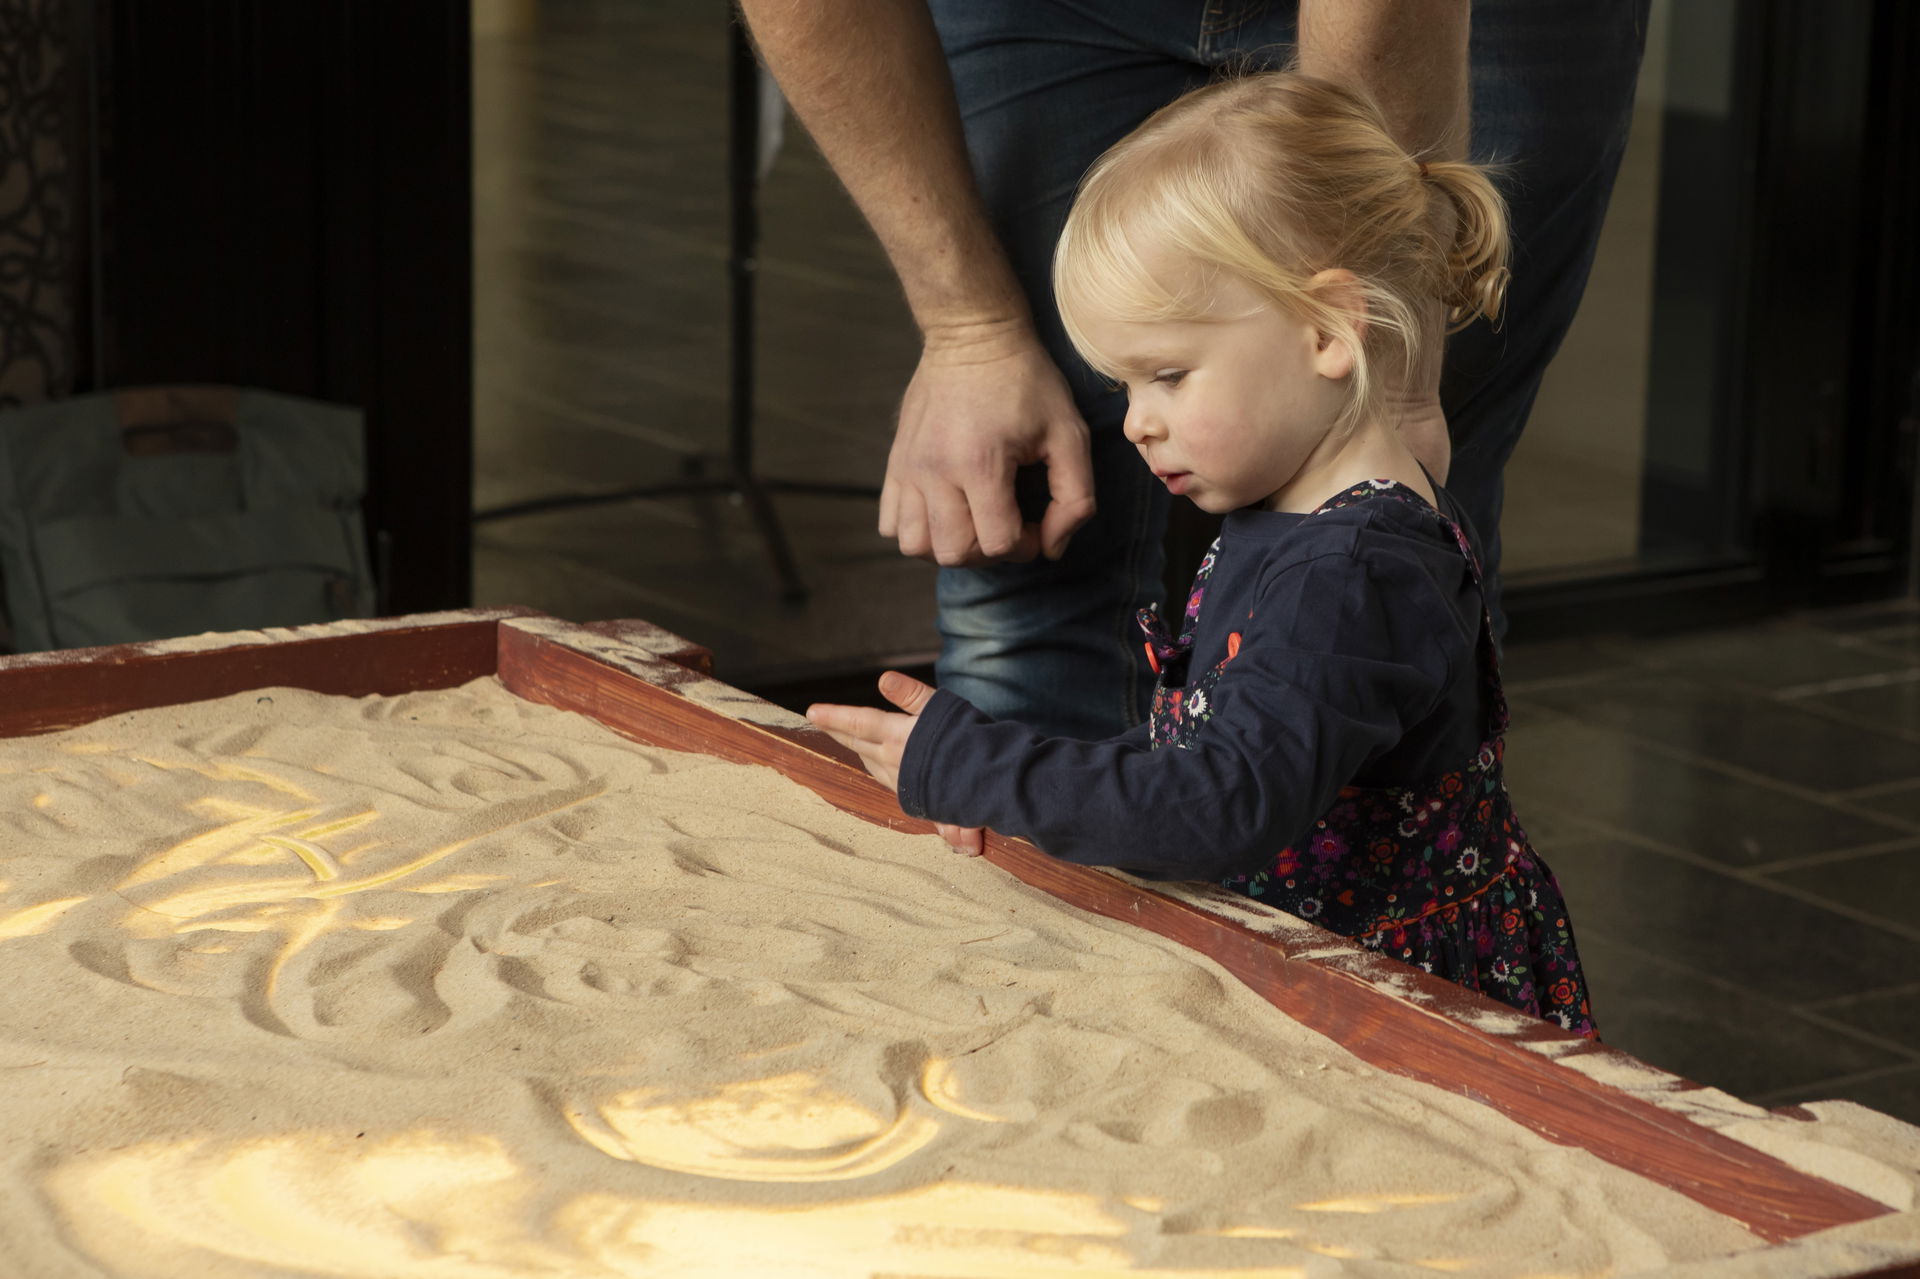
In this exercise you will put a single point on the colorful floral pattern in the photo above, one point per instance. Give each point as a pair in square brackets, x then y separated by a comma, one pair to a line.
[1180, 708]
[1441, 875]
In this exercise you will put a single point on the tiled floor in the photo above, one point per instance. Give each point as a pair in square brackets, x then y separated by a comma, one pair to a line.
[1735, 818]
[1735, 815]
[600, 246]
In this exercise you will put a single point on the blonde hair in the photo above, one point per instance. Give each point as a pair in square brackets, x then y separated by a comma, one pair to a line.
[1273, 178]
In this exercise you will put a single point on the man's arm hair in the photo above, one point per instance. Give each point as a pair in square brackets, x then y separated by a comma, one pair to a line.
[1409, 55]
[869, 81]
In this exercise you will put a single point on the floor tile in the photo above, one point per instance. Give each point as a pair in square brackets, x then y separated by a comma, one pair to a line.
[1902, 638]
[570, 453]
[1767, 941]
[1858, 619]
[713, 581]
[1884, 884]
[1773, 739]
[1770, 656]
[1548, 827]
[1893, 1015]
[1603, 776]
[553, 585]
[1893, 707]
[1709, 1031]
[1896, 1093]
[1903, 804]
[1561, 661]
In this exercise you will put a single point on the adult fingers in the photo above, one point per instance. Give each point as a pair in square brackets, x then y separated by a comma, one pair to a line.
[949, 524]
[1026, 548]
[889, 526]
[1070, 479]
[995, 514]
[912, 522]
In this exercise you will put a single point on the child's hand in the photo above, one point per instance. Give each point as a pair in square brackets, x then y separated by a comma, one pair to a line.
[879, 738]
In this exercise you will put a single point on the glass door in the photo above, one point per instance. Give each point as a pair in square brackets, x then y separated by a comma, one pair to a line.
[1723, 432]
[1626, 463]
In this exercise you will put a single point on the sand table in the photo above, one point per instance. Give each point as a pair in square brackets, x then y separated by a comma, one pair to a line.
[454, 985]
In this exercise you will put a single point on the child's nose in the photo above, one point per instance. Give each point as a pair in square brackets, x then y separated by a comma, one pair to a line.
[1139, 425]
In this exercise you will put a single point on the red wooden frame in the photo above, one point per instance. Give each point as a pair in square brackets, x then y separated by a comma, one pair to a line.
[655, 687]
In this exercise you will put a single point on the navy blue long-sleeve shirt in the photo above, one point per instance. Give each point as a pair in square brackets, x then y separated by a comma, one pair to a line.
[1356, 665]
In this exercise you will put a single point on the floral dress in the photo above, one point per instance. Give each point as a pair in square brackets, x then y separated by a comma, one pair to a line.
[1439, 875]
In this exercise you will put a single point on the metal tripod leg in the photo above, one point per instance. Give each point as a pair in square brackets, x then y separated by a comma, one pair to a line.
[739, 480]
[793, 588]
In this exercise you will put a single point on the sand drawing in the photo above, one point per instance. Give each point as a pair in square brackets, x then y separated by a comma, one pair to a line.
[450, 984]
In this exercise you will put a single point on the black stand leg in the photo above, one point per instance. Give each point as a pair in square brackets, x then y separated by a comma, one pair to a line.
[740, 481]
[743, 181]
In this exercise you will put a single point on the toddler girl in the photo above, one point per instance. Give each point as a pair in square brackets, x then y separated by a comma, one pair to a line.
[1325, 733]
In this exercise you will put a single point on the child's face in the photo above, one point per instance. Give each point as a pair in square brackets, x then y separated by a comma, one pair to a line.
[1226, 410]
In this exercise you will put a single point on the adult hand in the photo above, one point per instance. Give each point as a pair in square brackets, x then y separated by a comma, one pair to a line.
[879, 738]
[870, 81]
[985, 400]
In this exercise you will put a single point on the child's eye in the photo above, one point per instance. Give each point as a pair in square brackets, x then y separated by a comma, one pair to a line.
[1169, 377]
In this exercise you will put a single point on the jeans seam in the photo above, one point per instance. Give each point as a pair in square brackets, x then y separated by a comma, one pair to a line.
[1210, 26]
[1217, 20]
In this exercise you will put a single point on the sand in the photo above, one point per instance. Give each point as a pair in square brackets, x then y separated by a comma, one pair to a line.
[453, 985]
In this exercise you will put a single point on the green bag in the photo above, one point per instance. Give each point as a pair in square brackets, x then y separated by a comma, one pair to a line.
[145, 514]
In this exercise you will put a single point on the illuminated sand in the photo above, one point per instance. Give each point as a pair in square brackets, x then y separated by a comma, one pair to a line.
[454, 985]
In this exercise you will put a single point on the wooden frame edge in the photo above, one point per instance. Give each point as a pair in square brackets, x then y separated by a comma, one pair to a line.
[1393, 1017]
[654, 686]
[62, 688]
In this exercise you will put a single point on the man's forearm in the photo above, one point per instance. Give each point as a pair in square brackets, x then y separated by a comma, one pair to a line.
[1409, 55]
[868, 80]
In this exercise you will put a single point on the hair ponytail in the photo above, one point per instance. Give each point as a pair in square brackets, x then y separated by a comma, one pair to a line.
[1272, 178]
[1476, 272]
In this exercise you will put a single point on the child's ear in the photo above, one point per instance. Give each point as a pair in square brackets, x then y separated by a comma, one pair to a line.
[1338, 289]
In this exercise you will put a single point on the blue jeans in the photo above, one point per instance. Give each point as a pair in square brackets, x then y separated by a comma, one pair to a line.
[1045, 86]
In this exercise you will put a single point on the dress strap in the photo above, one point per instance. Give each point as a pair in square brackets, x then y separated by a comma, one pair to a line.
[1162, 645]
[1489, 652]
